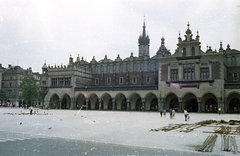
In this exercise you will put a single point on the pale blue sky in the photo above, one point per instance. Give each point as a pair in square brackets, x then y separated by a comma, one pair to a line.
[32, 31]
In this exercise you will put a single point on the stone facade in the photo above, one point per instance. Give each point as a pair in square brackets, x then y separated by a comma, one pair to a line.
[188, 79]
[120, 84]
[199, 81]
[11, 79]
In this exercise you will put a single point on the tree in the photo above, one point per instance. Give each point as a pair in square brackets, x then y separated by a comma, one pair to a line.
[3, 95]
[29, 88]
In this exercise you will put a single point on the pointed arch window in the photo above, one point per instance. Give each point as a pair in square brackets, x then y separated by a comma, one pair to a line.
[193, 51]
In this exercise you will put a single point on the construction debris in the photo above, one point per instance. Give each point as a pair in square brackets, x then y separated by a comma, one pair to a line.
[228, 143]
[208, 144]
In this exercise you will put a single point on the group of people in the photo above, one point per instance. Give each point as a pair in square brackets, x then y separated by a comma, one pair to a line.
[33, 109]
[172, 113]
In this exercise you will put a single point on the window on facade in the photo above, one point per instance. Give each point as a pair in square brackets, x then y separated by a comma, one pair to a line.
[147, 79]
[193, 51]
[184, 52]
[235, 76]
[204, 73]
[108, 80]
[9, 92]
[44, 83]
[96, 81]
[174, 75]
[134, 81]
[61, 82]
[188, 72]
[233, 60]
[120, 80]
[2, 84]
[10, 84]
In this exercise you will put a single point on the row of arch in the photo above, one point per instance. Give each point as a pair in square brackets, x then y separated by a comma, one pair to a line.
[207, 103]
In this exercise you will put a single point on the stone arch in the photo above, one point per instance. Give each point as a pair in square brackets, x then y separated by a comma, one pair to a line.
[190, 102]
[151, 102]
[121, 102]
[54, 102]
[171, 102]
[209, 103]
[107, 102]
[93, 101]
[135, 102]
[66, 101]
[81, 102]
[233, 103]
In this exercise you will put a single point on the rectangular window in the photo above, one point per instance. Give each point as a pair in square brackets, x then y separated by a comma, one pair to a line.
[174, 75]
[10, 84]
[108, 80]
[134, 81]
[44, 83]
[235, 76]
[120, 80]
[148, 79]
[188, 72]
[96, 81]
[60, 82]
[204, 73]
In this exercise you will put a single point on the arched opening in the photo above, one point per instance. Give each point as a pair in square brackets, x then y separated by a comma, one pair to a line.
[151, 102]
[234, 106]
[81, 102]
[119, 102]
[138, 104]
[66, 102]
[124, 104]
[89, 105]
[211, 106]
[106, 102]
[171, 101]
[110, 104]
[190, 103]
[154, 105]
[97, 104]
[54, 102]
[92, 101]
[174, 104]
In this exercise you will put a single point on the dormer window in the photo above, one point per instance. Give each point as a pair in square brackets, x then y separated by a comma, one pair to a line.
[184, 52]
[193, 51]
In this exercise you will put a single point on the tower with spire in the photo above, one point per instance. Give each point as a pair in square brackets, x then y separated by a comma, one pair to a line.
[143, 42]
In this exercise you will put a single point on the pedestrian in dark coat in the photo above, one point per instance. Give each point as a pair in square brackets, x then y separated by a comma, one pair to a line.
[164, 112]
[161, 111]
[170, 111]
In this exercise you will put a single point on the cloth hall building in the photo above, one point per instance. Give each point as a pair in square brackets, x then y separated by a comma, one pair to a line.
[187, 79]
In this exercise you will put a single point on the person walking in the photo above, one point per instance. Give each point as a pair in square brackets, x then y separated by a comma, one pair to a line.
[219, 110]
[161, 111]
[170, 111]
[31, 110]
[164, 112]
[185, 114]
[173, 113]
